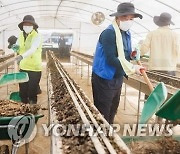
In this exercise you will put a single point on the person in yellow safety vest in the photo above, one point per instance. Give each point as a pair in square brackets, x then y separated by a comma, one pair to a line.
[12, 45]
[30, 48]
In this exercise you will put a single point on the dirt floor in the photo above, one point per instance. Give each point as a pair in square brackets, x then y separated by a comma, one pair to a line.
[40, 144]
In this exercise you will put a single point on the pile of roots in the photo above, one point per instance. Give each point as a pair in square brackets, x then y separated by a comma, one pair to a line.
[12, 108]
[166, 145]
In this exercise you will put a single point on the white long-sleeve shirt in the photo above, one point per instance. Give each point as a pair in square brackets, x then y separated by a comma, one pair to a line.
[163, 45]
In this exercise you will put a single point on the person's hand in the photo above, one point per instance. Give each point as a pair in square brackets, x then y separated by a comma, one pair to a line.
[138, 69]
[15, 47]
[135, 55]
[18, 59]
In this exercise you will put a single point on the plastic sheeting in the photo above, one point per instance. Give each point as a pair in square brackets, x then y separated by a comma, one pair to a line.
[76, 16]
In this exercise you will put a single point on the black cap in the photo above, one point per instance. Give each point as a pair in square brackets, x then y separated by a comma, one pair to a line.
[28, 19]
[12, 40]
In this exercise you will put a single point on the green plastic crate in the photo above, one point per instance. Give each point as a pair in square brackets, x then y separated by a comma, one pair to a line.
[6, 120]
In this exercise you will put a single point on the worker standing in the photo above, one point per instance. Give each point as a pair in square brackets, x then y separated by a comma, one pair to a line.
[111, 61]
[163, 46]
[12, 45]
[29, 59]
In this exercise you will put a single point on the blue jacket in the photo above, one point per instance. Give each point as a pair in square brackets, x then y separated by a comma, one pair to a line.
[106, 63]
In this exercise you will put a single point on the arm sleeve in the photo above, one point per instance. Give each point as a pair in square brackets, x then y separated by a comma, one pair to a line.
[177, 46]
[17, 43]
[35, 45]
[145, 46]
[108, 41]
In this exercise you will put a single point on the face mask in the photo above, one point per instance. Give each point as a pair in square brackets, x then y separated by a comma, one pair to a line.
[126, 25]
[27, 29]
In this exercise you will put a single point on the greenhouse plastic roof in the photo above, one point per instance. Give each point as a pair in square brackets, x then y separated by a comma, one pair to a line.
[68, 13]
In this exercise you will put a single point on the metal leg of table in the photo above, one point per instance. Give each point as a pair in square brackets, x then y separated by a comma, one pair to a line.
[88, 75]
[81, 69]
[26, 148]
[15, 147]
[125, 90]
[139, 100]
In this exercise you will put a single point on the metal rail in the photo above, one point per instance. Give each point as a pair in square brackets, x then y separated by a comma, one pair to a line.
[77, 100]
[134, 81]
[95, 140]
[167, 79]
[104, 138]
[6, 63]
[56, 142]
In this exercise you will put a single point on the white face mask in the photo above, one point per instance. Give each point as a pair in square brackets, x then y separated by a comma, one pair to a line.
[27, 29]
[126, 25]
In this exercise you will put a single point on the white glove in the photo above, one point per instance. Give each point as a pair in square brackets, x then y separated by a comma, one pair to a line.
[138, 69]
[18, 59]
[135, 55]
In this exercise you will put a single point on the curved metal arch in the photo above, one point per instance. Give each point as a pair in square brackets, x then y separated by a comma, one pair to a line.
[99, 6]
[92, 12]
[49, 15]
[24, 8]
[58, 7]
[168, 6]
[73, 8]
[40, 11]
[45, 15]
[53, 17]
[76, 2]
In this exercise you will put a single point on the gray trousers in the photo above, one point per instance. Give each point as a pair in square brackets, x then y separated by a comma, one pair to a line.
[106, 95]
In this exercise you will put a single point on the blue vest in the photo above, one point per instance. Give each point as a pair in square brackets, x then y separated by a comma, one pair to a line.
[100, 65]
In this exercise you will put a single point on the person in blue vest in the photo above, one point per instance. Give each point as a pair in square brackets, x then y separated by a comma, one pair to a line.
[29, 52]
[112, 61]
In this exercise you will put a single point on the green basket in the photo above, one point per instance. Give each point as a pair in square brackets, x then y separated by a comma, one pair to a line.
[15, 97]
[4, 121]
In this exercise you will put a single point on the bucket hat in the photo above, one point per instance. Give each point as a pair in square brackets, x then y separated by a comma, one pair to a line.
[126, 9]
[12, 40]
[163, 20]
[28, 19]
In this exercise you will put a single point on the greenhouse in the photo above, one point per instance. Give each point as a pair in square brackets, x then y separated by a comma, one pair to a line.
[89, 76]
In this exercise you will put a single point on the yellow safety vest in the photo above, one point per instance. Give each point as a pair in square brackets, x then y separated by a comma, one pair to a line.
[33, 61]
